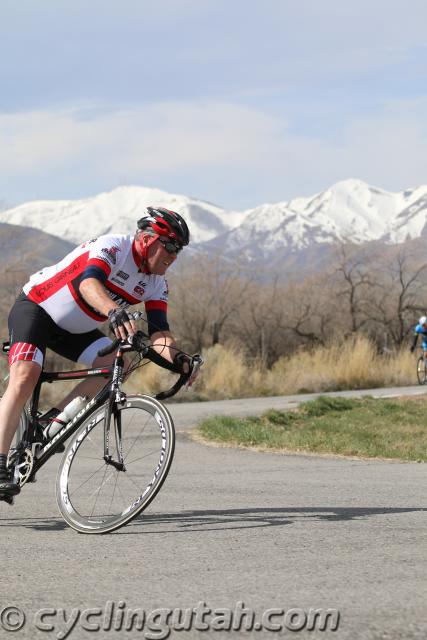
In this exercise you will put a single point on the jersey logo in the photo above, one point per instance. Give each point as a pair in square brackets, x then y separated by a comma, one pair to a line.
[139, 290]
[123, 275]
[88, 242]
[111, 254]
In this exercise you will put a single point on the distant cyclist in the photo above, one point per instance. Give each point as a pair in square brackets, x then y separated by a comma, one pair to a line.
[420, 330]
[61, 306]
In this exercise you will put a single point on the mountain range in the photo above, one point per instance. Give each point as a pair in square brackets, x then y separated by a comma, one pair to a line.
[349, 211]
[117, 212]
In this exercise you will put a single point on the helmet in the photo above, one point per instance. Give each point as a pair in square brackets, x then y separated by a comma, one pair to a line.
[161, 222]
[165, 222]
[422, 320]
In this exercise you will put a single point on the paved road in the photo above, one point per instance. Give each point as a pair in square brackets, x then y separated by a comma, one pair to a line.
[291, 533]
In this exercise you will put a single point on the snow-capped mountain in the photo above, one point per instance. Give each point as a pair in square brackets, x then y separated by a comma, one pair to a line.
[118, 212]
[349, 211]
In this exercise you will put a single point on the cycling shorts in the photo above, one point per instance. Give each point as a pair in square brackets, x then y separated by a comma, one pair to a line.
[32, 330]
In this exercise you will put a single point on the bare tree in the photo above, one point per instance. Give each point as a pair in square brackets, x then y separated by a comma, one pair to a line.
[258, 324]
[401, 292]
[207, 292]
[355, 284]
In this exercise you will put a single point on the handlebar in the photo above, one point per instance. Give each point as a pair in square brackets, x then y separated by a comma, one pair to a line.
[138, 342]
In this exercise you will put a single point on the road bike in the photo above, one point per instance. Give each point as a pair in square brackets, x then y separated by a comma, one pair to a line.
[120, 446]
[422, 368]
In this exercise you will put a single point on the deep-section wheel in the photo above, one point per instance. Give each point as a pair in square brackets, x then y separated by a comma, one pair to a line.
[99, 496]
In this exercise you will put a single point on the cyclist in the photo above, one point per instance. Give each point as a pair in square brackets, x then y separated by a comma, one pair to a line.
[61, 306]
[420, 329]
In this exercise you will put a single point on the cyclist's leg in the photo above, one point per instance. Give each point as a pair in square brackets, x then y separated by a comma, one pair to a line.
[23, 377]
[25, 366]
[27, 329]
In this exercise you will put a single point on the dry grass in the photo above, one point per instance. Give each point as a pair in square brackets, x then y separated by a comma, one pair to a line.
[354, 364]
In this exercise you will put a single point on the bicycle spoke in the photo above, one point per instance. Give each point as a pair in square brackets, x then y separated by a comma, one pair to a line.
[115, 485]
[99, 489]
[138, 436]
[142, 457]
[90, 477]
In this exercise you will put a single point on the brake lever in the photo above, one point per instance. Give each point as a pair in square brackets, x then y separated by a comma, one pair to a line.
[197, 364]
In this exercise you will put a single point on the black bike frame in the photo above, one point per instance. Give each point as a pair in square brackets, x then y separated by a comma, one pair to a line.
[44, 453]
[111, 392]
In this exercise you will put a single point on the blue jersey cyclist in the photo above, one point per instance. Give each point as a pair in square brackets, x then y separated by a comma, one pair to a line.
[61, 306]
[420, 330]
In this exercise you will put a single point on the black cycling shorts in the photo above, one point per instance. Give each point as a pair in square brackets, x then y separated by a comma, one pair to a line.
[31, 326]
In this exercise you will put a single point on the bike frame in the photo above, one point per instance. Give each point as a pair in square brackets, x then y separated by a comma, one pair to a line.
[111, 392]
[42, 455]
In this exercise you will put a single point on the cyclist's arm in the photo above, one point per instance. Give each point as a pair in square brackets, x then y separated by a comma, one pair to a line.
[95, 294]
[164, 343]
[414, 340]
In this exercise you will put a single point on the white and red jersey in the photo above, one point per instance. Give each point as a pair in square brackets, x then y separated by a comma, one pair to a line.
[56, 288]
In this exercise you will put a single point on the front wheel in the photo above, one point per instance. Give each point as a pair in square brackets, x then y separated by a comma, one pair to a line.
[95, 496]
[421, 370]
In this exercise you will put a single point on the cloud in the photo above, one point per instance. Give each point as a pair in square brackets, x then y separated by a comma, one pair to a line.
[147, 51]
[228, 153]
[157, 137]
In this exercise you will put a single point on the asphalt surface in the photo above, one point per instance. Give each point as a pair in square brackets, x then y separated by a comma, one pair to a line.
[230, 529]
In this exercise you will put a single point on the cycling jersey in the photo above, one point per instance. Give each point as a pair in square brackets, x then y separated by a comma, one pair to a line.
[420, 331]
[56, 288]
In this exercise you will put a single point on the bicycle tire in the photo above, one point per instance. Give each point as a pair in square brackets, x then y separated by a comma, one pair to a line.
[144, 419]
[421, 370]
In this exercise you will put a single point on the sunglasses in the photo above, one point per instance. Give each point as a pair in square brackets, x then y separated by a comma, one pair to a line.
[170, 245]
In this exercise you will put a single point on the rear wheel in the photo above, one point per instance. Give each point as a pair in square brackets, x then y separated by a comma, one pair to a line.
[421, 370]
[95, 496]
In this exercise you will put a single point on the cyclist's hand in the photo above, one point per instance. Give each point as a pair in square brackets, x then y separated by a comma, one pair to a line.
[189, 364]
[121, 323]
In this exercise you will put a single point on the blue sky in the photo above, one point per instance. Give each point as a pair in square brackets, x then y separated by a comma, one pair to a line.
[235, 102]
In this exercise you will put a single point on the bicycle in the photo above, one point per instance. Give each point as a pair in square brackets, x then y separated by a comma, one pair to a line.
[121, 446]
[422, 368]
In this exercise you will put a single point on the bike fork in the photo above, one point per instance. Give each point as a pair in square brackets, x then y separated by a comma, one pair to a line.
[112, 412]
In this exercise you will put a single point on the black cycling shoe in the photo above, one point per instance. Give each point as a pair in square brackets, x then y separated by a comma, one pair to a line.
[8, 488]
